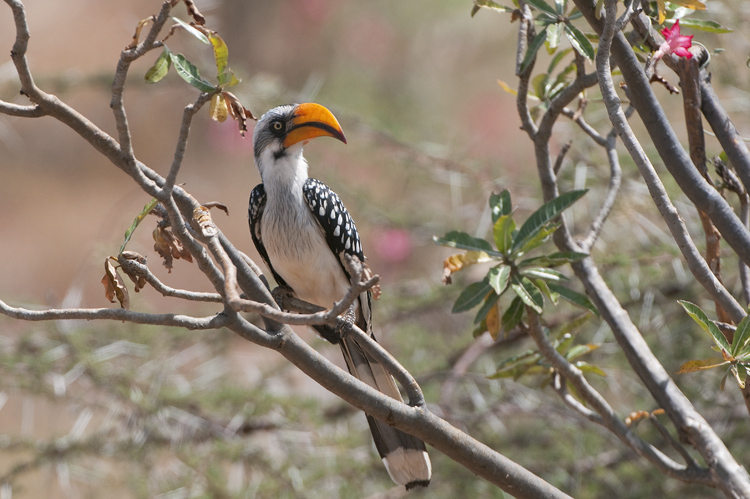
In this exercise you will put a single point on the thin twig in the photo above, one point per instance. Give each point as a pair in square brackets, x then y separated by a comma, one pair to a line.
[133, 267]
[672, 441]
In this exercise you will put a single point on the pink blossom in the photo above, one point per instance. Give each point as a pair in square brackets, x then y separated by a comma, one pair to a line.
[674, 43]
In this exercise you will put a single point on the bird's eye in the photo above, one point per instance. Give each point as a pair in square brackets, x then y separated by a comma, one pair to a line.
[277, 126]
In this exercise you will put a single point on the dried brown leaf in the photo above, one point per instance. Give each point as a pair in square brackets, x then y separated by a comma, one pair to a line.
[137, 34]
[216, 204]
[194, 12]
[660, 79]
[493, 322]
[169, 247]
[636, 416]
[237, 111]
[114, 287]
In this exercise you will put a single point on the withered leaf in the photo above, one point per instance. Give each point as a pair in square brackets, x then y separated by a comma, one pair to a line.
[218, 109]
[216, 204]
[114, 285]
[493, 322]
[194, 12]
[137, 34]
[237, 111]
[460, 261]
[169, 247]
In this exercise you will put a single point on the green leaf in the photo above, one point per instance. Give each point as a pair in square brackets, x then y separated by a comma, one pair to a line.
[196, 33]
[190, 73]
[544, 273]
[498, 278]
[740, 374]
[503, 232]
[543, 215]
[704, 25]
[500, 205]
[554, 259]
[228, 79]
[543, 6]
[160, 68]
[462, 240]
[471, 296]
[741, 336]
[518, 365]
[590, 368]
[556, 59]
[538, 239]
[513, 314]
[138, 219]
[532, 49]
[579, 350]
[563, 344]
[700, 317]
[539, 84]
[554, 35]
[489, 4]
[542, 285]
[489, 302]
[724, 379]
[692, 366]
[560, 6]
[574, 297]
[529, 293]
[221, 52]
[579, 41]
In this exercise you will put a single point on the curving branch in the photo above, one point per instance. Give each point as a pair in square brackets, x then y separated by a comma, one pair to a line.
[605, 415]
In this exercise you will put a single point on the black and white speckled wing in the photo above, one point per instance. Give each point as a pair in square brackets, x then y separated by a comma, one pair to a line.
[340, 233]
[254, 215]
[338, 226]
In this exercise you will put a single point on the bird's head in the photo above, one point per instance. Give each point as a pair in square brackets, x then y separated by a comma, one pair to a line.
[284, 130]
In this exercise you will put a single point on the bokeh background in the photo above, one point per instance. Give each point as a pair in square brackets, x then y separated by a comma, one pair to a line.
[147, 412]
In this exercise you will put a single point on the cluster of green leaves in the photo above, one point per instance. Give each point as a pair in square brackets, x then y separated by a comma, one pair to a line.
[532, 362]
[528, 280]
[736, 354]
[187, 70]
[223, 103]
[554, 23]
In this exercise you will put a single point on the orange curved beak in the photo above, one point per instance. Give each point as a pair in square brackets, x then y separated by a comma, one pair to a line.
[310, 121]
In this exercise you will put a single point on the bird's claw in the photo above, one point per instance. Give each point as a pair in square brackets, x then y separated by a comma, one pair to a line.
[279, 293]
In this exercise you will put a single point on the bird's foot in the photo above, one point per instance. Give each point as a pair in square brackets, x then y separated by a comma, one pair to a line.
[280, 293]
[344, 326]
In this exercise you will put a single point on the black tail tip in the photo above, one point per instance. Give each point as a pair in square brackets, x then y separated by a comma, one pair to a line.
[416, 484]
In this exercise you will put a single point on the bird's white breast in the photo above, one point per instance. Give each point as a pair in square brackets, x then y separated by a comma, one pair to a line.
[297, 248]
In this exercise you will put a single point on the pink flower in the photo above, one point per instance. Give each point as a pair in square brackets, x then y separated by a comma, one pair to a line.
[675, 43]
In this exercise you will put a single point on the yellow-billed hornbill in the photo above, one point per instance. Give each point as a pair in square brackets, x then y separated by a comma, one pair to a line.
[302, 231]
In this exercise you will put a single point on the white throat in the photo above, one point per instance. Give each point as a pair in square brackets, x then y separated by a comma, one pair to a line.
[285, 174]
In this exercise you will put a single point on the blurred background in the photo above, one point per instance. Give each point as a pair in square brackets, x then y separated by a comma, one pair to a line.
[129, 411]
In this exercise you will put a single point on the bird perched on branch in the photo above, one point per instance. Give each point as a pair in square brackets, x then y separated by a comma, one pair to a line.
[302, 231]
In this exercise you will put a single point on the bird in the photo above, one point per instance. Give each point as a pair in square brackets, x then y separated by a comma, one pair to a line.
[302, 231]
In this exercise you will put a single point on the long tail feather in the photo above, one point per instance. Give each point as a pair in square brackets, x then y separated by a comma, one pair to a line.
[404, 455]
